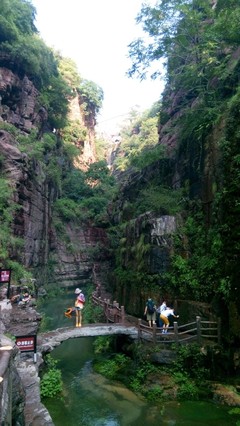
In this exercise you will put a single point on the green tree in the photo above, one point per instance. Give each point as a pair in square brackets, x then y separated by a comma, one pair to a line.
[54, 97]
[166, 34]
[17, 17]
[139, 139]
[69, 71]
[91, 98]
[26, 54]
[75, 187]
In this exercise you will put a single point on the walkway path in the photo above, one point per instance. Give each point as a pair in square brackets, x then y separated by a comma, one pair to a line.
[46, 342]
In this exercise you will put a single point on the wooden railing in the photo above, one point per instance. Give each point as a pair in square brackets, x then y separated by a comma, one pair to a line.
[186, 333]
[192, 332]
[113, 313]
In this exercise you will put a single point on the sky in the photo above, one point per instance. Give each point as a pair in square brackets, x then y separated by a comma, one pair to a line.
[95, 35]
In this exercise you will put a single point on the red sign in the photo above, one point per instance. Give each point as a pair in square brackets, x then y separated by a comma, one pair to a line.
[5, 275]
[26, 343]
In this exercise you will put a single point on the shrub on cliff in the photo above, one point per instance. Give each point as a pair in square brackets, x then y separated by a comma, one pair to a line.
[51, 382]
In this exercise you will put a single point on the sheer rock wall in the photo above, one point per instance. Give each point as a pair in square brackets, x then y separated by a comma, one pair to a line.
[72, 254]
[34, 194]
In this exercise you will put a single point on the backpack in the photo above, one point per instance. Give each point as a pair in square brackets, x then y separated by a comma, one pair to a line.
[150, 307]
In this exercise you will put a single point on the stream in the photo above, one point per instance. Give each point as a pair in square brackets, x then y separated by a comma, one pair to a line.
[90, 399]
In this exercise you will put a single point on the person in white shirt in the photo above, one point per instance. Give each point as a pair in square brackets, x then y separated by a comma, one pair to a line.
[160, 309]
[164, 317]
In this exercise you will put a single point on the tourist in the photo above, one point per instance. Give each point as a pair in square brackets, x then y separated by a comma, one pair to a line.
[164, 317]
[159, 310]
[24, 299]
[150, 312]
[79, 305]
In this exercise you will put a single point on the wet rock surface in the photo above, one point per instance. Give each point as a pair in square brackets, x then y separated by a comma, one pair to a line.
[34, 411]
[226, 395]
[21, 320]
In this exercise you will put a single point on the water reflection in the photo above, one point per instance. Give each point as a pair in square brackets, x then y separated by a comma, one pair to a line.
[119, 406]
[98, 401]
[92, 400]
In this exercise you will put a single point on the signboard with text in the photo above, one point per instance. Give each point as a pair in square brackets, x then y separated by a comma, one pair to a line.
[5, 277]
[27, 343]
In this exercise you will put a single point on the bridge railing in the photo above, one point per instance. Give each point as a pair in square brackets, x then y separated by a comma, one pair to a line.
[186, 333]
[112, 312]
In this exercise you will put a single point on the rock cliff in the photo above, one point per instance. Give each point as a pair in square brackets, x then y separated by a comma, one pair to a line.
[18, 102]
[33, 191]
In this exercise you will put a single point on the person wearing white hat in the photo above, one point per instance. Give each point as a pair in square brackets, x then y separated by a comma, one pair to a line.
[79, 305]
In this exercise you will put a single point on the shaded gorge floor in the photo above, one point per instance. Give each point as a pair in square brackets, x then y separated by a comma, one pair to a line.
[89, 399]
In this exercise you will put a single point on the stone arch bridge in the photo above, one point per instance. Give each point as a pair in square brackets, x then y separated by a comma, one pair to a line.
[46, 342]
[197, 331]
